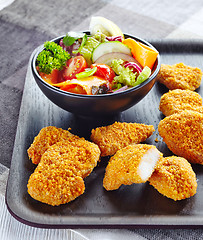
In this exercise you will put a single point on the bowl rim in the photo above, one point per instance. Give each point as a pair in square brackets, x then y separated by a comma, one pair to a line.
[57, 90]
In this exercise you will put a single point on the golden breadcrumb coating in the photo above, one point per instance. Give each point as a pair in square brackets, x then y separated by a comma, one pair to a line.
[55, 186]
[179, 100]
[118, 135]
[180, 76]
[46, 137]
[58, 178]
[132, 164]
[182, 133]
[174, 178]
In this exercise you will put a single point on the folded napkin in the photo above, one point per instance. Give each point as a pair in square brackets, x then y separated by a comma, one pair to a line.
[110, 234]
[5, 3]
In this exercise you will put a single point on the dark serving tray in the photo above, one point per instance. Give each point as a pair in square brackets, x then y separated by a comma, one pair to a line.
[130, 206]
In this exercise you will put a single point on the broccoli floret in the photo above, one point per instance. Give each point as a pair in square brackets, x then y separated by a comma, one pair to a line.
[52, 57]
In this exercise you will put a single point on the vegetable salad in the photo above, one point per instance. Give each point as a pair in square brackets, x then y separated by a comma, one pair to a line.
[95, 64]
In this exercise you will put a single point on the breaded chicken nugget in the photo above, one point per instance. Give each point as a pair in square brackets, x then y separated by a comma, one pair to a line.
[46, 137]
[180, 76]
[132, 164]
[58, 178]
[55, 186]
[118, 135]
[179, 100]
[182, 133]
[174, 178]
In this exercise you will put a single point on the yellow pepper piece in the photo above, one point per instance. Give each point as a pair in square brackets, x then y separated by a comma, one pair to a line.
[145, 55]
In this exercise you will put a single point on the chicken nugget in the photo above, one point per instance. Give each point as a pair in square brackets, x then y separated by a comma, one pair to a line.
[182, 133]
[55, 185]
[118, 135]
[179, 100]
[180, 76]
[46, 137]
[132, 164]
[79, 152]
[58, 178]
[174, 178]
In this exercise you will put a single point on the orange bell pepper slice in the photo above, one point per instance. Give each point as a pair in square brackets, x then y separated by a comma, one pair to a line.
[145, 55]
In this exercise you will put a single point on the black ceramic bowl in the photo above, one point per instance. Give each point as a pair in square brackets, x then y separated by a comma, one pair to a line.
[96, 105]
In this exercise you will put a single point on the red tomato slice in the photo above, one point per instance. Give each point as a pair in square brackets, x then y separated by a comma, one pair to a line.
[73, 66]
[104, 71]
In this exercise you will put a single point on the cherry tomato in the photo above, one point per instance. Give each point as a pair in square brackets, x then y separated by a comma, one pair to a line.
[73, 66]
[104, 71]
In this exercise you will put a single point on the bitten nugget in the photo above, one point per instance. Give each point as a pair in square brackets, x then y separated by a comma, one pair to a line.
[174, 178]
[46, 137]
[180, 76]
[132, 164]
[179, 100]
[58, 178]
[182, 133]
[118, 135]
